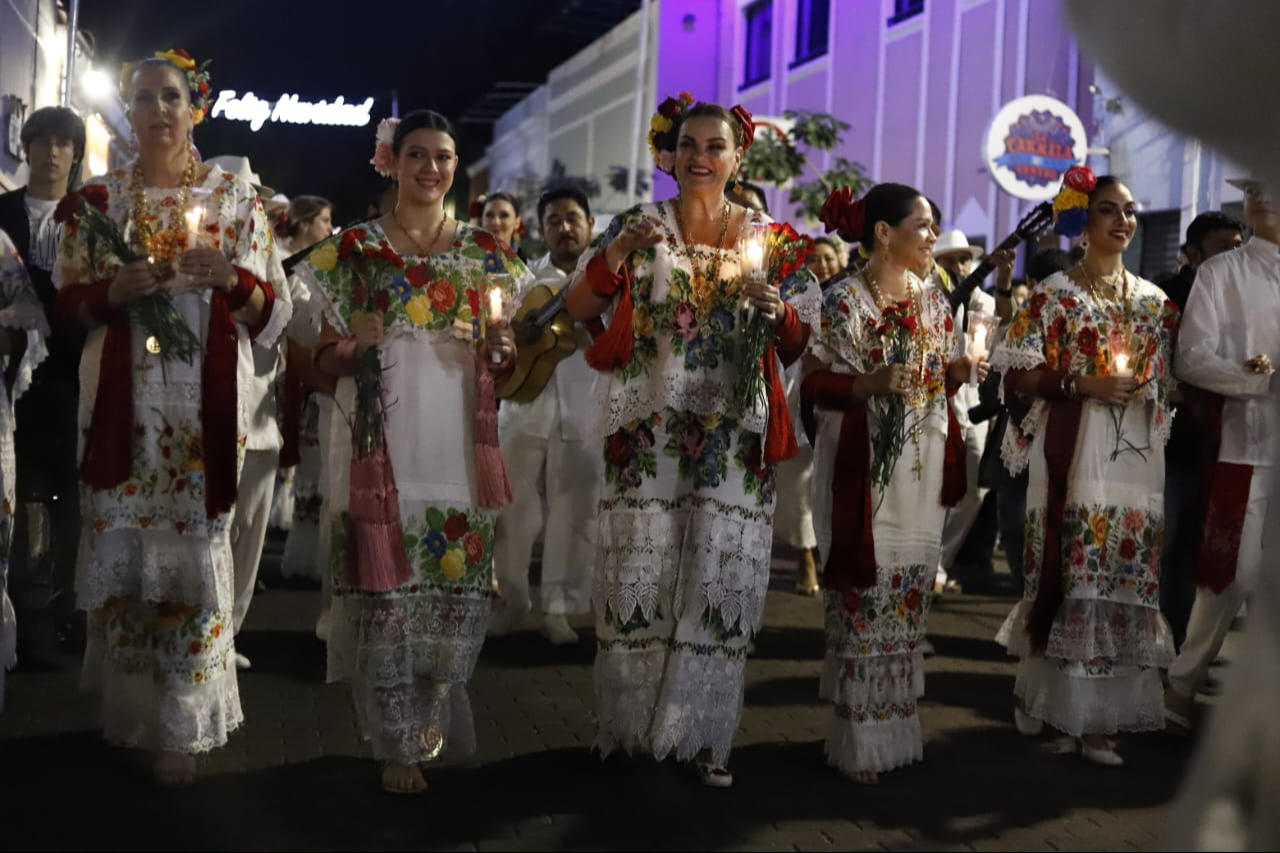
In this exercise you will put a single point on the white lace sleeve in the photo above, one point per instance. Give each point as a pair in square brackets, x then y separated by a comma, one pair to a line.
[21, 311]
[802, 292]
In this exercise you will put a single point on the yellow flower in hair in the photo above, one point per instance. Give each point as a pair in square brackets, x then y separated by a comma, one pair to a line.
[660, 123]
[197, 116]
[178, 58]
[1068, 199]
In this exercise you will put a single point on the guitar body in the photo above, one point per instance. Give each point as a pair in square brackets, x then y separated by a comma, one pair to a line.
[538, 354]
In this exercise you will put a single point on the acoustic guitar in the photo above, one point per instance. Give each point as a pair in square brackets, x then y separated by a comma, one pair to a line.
[544, 337]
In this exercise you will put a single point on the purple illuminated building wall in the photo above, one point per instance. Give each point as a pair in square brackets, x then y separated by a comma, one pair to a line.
[918, 80]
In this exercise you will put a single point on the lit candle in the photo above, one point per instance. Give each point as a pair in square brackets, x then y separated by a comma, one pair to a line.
[981, 325]
[195, 222]
[754, 259]
[1122, 367]
[495, 313]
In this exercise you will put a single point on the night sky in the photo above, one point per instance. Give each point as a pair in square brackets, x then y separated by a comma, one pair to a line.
[441, 54]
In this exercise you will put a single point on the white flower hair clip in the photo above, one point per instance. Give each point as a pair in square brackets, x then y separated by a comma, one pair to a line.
[383, 157]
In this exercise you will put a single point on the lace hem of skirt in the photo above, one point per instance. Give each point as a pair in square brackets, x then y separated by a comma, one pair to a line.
[662, 702]
[1095, 629]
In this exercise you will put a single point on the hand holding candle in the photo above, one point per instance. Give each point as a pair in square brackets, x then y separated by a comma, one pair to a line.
[1120, 365]
[981, 328]
[494, 314]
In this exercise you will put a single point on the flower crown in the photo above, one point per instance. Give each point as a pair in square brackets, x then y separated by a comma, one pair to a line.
[670, 114]
[197, 75]
[383, 156]
[1071, 204]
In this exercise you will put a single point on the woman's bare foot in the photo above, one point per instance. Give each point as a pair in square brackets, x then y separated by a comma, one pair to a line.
[807, 580]
[400, 778]
[863, 777]
[174, 769]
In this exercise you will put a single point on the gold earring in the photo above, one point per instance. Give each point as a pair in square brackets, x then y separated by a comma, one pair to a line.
[884, 253]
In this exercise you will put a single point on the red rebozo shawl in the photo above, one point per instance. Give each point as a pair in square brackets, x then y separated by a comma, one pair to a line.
[613, 348]
[108, 452]
[851, 563]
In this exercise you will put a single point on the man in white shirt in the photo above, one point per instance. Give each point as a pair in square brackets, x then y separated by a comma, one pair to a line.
[1227, 344]
[555, 470]
[954, 254]
[263, 439]
[47, 517]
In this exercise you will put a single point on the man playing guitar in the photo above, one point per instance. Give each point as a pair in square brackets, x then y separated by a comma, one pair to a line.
[555, 474]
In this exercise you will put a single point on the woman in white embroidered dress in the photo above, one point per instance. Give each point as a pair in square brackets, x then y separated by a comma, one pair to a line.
[23, 331]
[1086, 366]
[884, 363]
[162, 439]
[686, 513]
[409, 651]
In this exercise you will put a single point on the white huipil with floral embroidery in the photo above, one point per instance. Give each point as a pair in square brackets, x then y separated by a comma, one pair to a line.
[21, 315]
[1099, 673]
[685, 537]
[155, 572]
[409, 653]
[874, 668]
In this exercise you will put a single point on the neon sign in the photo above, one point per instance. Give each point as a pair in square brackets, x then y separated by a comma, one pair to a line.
[290, 109]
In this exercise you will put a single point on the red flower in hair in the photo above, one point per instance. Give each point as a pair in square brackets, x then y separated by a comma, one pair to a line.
[1080, 178]
[841, 213]
[748, 125]
[669, 108]
[475, 210]
[204, 88]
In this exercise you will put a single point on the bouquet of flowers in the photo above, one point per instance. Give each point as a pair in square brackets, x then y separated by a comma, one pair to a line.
[376, 560]
[784, 252]
[896, 329]
[86, 210]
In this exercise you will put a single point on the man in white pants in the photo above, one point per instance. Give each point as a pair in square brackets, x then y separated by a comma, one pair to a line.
[263, 439]
[555, 471]
[1228, 341]
[954, 254]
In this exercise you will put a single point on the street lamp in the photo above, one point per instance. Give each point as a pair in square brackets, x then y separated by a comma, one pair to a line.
[96, 84]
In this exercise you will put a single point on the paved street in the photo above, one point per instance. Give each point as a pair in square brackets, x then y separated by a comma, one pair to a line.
[297, 776]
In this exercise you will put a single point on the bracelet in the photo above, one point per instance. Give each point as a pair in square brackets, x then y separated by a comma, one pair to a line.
[1068, 386]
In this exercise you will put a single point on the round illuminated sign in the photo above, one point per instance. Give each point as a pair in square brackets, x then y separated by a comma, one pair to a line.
[1031, 142]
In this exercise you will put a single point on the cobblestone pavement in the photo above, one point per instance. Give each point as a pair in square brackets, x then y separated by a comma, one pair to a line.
[297, 776]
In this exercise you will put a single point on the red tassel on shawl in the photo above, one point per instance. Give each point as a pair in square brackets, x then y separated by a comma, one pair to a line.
[376, 559]
[611, 349]
[494, 486]
[955, 472]
[788, 344]
[108, 449]
[852, 562]
[220, 401]
[1059, 452]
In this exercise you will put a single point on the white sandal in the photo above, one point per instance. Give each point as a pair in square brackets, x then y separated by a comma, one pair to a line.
[714, 775]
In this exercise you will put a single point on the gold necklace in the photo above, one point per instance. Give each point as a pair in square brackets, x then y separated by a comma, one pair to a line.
[1110, 301]
[435, 238]
[703, 290]
[162, 248]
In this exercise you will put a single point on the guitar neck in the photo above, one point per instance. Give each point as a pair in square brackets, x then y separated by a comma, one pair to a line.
[1025, 231]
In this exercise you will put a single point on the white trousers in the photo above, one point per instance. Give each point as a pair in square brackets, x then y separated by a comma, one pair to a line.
[1213, 612]
[249, 527]
[961, 517]
[570, 474]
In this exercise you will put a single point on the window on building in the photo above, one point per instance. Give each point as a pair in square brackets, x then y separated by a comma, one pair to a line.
[813, 17]
[759, 30]
[904, 9]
